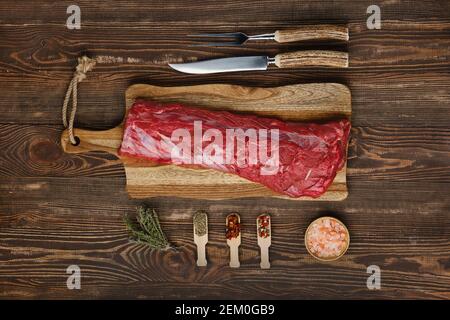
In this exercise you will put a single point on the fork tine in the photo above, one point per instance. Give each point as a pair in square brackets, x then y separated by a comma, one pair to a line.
[215, 35]
[216, 44]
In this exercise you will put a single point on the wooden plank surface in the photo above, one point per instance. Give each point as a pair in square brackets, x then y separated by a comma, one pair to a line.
[301, 102]
[57, 210]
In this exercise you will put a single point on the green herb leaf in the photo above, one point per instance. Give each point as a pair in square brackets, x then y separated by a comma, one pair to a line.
[147, 230]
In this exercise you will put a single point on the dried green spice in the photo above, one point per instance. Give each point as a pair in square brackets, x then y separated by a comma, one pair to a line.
[147, 230]
[200, 223]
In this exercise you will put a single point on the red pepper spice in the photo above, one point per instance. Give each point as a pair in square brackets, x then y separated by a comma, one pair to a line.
[233, 226]
[264, 226]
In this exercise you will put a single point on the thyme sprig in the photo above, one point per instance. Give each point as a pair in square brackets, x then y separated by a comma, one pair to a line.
[146, 229]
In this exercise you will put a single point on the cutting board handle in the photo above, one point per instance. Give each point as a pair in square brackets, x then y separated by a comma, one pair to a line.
[106, 140]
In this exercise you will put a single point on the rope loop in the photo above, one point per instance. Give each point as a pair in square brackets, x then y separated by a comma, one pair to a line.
[85, 64]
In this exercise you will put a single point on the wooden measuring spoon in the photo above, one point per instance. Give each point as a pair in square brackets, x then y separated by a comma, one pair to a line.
[201, 239]
[264, 239]
[235, 241]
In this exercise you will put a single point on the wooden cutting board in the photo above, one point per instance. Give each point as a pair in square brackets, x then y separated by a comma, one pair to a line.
[302, 102]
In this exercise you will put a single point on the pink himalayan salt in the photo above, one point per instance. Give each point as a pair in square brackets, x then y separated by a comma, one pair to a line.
[327, 238]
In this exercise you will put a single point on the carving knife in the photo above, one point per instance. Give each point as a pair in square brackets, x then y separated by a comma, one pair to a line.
[316, 58]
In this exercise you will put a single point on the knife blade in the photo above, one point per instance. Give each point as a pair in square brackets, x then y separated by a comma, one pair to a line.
[321, 58]
[223, 65]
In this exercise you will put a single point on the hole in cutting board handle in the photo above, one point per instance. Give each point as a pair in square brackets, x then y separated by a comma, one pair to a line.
[77, 141]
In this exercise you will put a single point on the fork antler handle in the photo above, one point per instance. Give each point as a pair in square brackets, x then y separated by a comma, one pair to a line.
[319, 58]
[321, 32]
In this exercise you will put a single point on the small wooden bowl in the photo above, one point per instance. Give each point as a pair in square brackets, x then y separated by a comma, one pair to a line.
[347, 237]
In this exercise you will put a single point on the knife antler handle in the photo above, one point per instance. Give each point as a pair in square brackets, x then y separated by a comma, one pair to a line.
[319, 58]
[321, 32]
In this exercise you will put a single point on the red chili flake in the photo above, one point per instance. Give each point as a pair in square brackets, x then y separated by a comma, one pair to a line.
[264, 226]
[233, 227]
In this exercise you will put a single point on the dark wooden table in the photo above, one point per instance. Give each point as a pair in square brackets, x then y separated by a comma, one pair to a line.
[57, 210]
